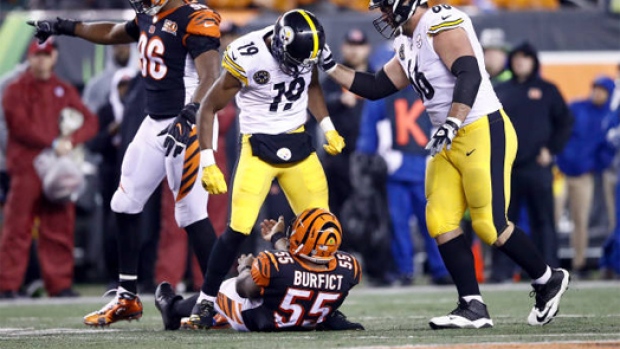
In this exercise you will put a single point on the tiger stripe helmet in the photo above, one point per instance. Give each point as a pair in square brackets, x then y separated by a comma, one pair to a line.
[315, 235]
[149, 7]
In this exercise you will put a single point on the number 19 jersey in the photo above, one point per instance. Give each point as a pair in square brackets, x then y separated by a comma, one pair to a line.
[430, 76]
[270, 101]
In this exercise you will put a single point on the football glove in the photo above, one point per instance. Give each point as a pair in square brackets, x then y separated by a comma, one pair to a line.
[326, 61]
[335, 142]
[45, 29]
[177, 133]
[212, 178]
[444, 135]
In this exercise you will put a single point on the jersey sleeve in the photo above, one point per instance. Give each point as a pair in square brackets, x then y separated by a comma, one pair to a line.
[202, 31]
[233, 63]
[261, 269]
[132, 28]
[443, 17]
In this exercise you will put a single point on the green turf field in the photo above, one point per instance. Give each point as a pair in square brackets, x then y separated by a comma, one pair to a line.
[392, 316]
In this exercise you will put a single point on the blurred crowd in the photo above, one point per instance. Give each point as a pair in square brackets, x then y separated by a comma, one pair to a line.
[376, 184]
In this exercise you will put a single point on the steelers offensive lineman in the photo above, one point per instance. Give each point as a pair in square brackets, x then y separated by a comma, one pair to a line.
[297, 286]
[273, 75]
[473, 148]
[178, 44]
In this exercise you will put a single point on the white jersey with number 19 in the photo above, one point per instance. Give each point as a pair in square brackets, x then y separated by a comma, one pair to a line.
[271, 102]
[430, 76]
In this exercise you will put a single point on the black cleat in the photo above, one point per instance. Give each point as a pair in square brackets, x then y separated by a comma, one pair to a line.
[202, 315]
[337, 321]
[548, 298]
[467, 315]
[164, 298]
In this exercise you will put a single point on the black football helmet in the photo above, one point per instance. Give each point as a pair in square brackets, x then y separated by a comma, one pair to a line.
[297, 41]
[150, 7]
[394, 14]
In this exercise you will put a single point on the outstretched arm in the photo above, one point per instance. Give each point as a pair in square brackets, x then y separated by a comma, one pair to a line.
[388, 80]
[105, 33]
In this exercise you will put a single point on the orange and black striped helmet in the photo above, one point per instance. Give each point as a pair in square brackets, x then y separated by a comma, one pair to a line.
[316, 235]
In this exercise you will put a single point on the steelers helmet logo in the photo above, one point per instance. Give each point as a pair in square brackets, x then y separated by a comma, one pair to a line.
[287, 35]
[261, 77]
[284, 153]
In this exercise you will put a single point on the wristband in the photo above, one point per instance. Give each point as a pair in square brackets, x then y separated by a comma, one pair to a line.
[456, 121]
[245, 267]
[276, 237]
[67, 26]
[207, 158]
[327, 124]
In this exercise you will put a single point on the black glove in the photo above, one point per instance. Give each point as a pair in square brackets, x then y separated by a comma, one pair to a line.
[326, 61]
[45, 29]
[177, 133]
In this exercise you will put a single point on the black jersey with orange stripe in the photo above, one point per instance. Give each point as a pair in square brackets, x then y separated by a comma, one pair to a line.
[297, 296]
[168, 43]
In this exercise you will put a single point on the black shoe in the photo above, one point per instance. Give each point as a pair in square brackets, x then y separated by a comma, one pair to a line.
[548, 298]
[467, 315]
[66, 293]
[337, 321]
[202, 315]
[164, 298]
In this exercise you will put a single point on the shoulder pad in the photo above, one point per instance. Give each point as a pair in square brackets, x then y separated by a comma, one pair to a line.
[234, 63]
[443, 17]
[261, 268]
[203, 22]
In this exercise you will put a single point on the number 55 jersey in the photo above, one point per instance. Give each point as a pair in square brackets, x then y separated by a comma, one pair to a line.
[430, 76]
[294, 296]
[271, 102]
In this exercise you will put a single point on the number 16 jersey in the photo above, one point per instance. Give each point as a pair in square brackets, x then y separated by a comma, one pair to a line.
[270, 101]
[430, 76]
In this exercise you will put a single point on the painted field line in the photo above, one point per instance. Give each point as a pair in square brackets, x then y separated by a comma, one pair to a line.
[507, 345]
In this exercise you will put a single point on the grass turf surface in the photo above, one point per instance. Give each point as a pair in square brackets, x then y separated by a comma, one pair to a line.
[589, 312]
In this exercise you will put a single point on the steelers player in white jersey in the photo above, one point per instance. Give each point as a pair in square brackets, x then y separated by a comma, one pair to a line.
[473, 148]
[272, 73]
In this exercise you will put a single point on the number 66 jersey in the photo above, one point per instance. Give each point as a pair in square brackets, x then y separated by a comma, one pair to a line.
[294, 296]
[270, 101]
[430, 76]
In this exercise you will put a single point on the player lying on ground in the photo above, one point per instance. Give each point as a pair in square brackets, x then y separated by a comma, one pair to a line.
[299, 286]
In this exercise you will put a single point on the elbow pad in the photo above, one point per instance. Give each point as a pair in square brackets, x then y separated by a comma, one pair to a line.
[468, 80]
[371, 86]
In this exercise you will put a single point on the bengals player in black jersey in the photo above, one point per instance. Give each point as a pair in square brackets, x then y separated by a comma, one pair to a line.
[178, 42]
[299, 286]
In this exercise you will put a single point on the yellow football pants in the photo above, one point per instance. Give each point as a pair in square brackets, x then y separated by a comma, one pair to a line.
[303, 183]
[474, 173]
